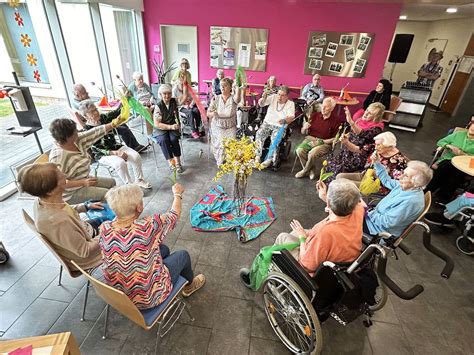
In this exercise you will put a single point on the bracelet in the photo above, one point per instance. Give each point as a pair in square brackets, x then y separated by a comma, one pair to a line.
[178, 195]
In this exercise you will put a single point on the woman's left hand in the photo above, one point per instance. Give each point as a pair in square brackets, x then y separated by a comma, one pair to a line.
[344, 139]
[298, 228]
[96, 206]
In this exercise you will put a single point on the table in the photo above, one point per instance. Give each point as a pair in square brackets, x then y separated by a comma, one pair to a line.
[462, 163]
[352, 102]
[61, 343]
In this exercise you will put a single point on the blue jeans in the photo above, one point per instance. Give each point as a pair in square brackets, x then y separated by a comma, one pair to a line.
[178, 263]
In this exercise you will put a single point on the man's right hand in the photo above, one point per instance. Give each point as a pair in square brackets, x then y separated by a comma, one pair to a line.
[90, 181]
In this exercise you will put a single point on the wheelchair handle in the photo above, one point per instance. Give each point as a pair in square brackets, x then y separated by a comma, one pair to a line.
[406, 295]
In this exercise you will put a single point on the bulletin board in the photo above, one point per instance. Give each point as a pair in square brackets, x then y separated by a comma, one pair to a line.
[344, 54]
[234, 46]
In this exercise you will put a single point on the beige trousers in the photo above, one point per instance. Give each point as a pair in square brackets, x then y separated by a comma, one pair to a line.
[356, 178]
[285, 238]
[308, 158]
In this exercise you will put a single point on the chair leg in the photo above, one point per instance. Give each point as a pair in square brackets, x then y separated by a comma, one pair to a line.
[154, 153]
[294, 163]
[188, 312]
[106, 321]
[85, 301]
[182, 151]
[60, 274]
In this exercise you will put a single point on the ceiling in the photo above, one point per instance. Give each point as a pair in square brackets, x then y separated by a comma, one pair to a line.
[436, 10]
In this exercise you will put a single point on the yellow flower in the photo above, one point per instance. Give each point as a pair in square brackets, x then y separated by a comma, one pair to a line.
[325, 163]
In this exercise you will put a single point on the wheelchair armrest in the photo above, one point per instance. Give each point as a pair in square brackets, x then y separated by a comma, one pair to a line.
[341, 274]
[290, 266]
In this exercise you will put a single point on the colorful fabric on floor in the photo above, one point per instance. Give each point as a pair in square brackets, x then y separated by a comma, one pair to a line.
[216, 212]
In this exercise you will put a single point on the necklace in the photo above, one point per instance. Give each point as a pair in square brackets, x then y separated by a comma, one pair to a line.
[279, 110]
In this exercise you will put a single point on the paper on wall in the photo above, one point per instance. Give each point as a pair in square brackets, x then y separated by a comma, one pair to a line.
[216, 51]
[228, 57]
[244, 55]
[466, 65]
[260, 50]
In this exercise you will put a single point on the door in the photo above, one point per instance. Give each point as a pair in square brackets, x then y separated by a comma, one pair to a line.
[180, 42]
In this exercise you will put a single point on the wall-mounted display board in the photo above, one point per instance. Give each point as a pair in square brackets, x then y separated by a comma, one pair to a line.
[234, 46]
[338, 53]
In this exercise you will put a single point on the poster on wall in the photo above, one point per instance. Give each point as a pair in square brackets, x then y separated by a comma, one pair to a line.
[234, 46]
[338, 53]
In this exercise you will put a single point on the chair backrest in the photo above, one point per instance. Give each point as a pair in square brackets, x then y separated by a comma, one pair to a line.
[31, 224]
[43, 158]
[116, 298]
[395, 103]
[77, 118]
[412, 225]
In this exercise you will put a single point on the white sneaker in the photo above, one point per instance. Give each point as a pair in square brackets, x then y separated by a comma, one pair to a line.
[143, 184]
[312, 175]
[300, 174]
[266, 163]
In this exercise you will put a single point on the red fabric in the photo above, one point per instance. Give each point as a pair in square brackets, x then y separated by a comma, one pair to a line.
[197, 101]
[324, 129]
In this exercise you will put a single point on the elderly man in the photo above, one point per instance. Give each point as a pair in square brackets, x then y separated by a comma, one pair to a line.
[321, 129]
[281, 111]
[313, 93]
[81, 94]
[431, 71]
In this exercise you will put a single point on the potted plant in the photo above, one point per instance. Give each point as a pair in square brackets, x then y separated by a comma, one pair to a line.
[161, 71]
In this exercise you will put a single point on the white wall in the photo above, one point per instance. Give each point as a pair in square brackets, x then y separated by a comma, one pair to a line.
[457, 32]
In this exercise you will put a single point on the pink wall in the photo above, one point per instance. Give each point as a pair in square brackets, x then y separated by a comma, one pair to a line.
[289, 23]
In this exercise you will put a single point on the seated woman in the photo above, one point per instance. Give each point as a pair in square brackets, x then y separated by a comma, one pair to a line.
[382, 94]
[167, 128]
[142, 92]
[57, 221]
[390, 157]
[216, 86]
[71, 154]
[187, 105]
[321, 129]
[405, 202]
[108, 152]
[223, 116]
[270, 88]
[359, 144]
[447, 178]
[183, 68]
[135, 259]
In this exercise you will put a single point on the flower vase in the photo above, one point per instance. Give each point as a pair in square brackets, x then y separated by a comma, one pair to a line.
[240, 187]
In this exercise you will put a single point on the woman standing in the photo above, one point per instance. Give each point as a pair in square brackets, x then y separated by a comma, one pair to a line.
[223, 115]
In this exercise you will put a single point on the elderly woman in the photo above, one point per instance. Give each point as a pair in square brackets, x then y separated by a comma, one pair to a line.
[223, 115]
[390, 157]
[71, 153]
[447, 178]
[167, 128]
[183, 67]
[321, 130]
[359, 144]
[404, 203]
[135, 259]
[216, 87]
[187, 105]
[337, 238]
[108, 152]
[57, 221]
[142, 92]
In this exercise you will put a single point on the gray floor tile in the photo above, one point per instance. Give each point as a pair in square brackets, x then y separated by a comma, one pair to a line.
[185, 339]
[388, 339]
[266, 347]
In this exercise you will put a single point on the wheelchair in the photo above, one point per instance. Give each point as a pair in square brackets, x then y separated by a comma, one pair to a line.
[465, 242]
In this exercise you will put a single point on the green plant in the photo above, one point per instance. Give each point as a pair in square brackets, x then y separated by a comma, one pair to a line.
[161, 71]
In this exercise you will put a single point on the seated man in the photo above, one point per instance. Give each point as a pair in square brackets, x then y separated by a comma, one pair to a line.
[281, 111]
[313, 93]
[321, 129]
[404, 203]
[81, 94]
[142, 92]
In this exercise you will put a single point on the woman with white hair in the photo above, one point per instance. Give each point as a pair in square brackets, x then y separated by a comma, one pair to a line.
[216, 87]
[167, 128]
[404, 203]
[142, 92]
[134, 257]
[390, 157]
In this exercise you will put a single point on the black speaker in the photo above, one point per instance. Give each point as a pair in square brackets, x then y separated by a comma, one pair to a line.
[400, 48]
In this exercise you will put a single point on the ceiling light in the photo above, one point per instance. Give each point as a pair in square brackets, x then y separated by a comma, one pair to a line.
[403, 17]
[451, 10]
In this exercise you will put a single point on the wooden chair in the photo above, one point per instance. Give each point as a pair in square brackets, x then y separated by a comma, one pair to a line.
[166, 314]
[395, 103]
[62, 264]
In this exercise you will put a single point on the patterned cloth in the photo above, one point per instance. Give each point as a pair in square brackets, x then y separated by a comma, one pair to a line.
[132, 259]
[216, 212]
[394, 165]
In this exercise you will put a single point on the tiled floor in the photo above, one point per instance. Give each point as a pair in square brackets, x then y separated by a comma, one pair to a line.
[230, 318]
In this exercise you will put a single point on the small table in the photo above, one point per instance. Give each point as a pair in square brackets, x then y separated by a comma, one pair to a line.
[352, 102]
[462, 163]
[61, 343]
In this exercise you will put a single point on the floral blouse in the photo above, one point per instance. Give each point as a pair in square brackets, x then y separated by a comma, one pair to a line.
[394, 165]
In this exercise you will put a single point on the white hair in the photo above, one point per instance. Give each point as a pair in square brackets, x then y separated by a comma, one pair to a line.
[423, 173]
[125, 199]
[332, 100]
[86, 106]
[220, 71]
[388, 139]
[137, 75]
[342, 197]
[164, 88]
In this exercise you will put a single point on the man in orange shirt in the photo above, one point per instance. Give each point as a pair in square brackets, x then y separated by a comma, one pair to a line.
[338, 237]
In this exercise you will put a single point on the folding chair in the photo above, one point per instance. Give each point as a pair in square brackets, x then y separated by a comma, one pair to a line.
[62, 264]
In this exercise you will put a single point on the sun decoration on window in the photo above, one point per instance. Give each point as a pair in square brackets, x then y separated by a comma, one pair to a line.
[26, 40]
[13, 3]
[37, 76]
[32, 60]
[18, 19]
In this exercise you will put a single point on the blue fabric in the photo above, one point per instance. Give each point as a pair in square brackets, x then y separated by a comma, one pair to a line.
[275, 142]
[216, 212]
[396, 210]
[100, 216]
[151, 314]
[456, 205]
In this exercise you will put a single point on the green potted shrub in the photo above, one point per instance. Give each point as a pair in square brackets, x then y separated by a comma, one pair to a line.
[161, 71]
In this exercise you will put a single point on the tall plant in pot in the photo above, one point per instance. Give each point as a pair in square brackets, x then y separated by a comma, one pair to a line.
[161, 71]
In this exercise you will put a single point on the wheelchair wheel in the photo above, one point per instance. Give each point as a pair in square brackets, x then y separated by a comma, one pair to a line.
[381, 294]
[465, 245]
[291, 315]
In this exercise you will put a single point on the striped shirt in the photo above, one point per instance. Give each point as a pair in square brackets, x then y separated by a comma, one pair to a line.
[76, 165]
[132, 260]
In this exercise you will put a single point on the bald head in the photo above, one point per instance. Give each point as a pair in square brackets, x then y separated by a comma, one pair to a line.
[80, 92]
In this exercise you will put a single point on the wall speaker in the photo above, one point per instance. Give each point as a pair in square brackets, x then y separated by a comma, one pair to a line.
[400, 48]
